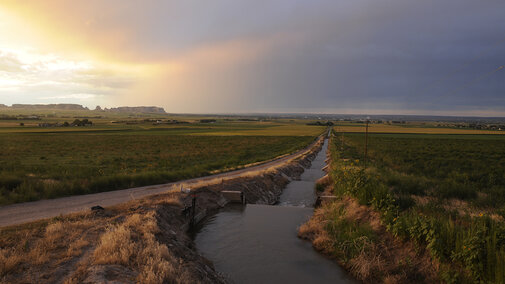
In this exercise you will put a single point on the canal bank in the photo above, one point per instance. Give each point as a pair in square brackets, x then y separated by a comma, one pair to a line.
[258, 243]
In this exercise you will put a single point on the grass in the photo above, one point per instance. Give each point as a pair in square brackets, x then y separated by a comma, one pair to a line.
[127, 150]
[348, 238]
[449, 166]
[143, 240]
[354, 235]
[443, 193]
[39, 244]
[71, 248]
[133, 244]
[36, 166]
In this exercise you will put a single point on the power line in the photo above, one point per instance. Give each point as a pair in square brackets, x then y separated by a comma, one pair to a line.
[475, 59]
[467, 84]
[475, 80]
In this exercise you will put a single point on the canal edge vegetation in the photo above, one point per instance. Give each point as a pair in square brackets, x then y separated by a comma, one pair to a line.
[354, 235]
[444, 245]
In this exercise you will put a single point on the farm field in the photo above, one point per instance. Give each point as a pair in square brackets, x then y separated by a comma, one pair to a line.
[411, 128]
[215, 129]
[466, 167]
[222, 127]
[444, 193]
[39, 162]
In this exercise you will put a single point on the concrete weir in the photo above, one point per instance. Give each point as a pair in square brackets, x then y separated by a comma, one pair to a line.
[260, 187]
[324, 199]
[234, 196]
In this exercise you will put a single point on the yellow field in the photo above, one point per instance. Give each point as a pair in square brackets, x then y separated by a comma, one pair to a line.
[272, 129]
[383, 128]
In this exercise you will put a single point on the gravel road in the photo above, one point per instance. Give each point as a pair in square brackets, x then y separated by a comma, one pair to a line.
[31, 211]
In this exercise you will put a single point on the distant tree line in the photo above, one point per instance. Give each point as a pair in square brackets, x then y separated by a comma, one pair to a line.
[319, 123]
[77, 122]
[207, 120]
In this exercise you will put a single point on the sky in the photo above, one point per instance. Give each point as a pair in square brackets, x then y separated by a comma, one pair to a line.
[439, 57]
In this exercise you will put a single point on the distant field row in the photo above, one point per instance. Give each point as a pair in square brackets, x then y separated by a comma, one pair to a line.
[384, 128]
[244, 128]
[218, 129]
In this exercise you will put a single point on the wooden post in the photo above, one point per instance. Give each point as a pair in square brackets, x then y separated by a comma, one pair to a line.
[342, 148]
[193, 209]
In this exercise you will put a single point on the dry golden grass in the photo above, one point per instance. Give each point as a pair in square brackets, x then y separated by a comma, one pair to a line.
[42, 249]
[362, 214]
[79, 273]
[324, 181]
[314, 228]
[64, 247]
[384, 260]
[116, 247]
[9, 259]
[368, 264]
[133, 244]
[63, 237]
[75, 248]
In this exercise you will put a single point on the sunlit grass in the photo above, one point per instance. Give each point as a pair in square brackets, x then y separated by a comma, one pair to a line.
[49, 165]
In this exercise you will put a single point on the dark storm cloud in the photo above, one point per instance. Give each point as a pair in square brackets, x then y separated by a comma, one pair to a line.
[387, 55]
[379, 55]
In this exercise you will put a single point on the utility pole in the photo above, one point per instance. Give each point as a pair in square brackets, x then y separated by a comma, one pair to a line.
[193, 209]
[366, 141]
[342, 147]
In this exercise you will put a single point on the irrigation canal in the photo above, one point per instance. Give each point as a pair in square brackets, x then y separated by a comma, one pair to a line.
[259, 243]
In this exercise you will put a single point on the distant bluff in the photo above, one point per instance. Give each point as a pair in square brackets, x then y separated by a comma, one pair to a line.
[139, 109]
[50, 106]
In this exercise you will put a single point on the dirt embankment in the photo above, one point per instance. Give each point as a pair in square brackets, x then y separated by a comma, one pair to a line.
[142, 241]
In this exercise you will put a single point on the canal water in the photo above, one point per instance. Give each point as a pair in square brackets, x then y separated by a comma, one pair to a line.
[259, 243]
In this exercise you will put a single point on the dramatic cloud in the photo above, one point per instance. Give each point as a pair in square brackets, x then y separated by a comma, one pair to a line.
[366, 56]
[26, 76]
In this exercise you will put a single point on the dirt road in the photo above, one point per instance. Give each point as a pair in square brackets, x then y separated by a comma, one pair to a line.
[31, 211]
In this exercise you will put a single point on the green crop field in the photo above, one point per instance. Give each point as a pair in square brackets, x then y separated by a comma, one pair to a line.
[444, 192]
[467, 167]
[48, 162]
